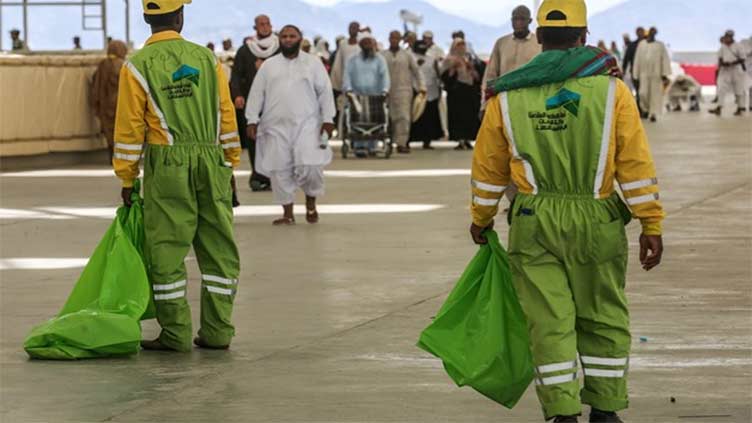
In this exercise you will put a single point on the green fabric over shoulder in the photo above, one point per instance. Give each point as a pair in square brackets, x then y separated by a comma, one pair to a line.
[556, 66]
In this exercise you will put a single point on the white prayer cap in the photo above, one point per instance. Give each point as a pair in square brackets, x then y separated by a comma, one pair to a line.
[365, 34]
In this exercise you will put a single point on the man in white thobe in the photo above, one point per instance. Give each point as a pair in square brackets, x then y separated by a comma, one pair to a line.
[732, 77]
[748, 48]
[652, 68]
[290, 112]
[404, 74]
[434, 50]
[345, 50]
[513, 50]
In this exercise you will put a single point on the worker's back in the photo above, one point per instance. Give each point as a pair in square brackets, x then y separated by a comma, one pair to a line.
[561, 131]
[181, 79]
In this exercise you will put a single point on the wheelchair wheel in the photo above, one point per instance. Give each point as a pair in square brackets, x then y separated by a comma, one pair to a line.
[345, 149]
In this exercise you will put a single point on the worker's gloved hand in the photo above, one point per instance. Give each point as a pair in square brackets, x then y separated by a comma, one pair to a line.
[239, 103]
[235, 201]
[251, 131]
[328, 128]
[651, 251]
[477, 233]
[125, 194]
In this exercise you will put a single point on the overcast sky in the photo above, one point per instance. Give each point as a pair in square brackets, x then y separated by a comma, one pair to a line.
[486, 11]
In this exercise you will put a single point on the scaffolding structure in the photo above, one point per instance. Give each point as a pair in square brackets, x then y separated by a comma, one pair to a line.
[93, 16]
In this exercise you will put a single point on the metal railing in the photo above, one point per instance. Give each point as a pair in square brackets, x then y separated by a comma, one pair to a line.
[93, 16]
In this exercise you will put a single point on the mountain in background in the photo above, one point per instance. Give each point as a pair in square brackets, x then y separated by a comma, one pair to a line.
[686, 25]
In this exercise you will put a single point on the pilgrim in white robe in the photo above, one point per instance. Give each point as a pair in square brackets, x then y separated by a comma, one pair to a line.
[290, 100]
[404, 75]
[651, 65]
[732, 80]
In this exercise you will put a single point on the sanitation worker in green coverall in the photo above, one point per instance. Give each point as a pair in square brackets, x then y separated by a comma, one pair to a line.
[174, 96]
[564, 129]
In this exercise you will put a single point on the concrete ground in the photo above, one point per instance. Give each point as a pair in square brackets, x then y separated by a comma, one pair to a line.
[327, 316]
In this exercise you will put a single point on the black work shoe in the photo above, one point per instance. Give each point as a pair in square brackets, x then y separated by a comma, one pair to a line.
[155, 345]
[565, 419]
[599, 416]
[739, 111]
[203, 344]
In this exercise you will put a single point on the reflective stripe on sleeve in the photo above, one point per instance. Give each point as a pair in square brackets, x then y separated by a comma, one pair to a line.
[216, 290]
[556, 367]
[129, 157]
[643, 199]
[556, 380]
[219, 279]
[487, 187]
[600, 173]
[231, 145]
[603, 361]
[145, 85]
[129, 147]
[170, 296]
[228, 136]
[169, 287]
[529, 175]
[639, 184]
[604, 373]
[485, 201]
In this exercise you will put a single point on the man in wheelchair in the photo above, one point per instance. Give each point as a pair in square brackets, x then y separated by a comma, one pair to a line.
[366, 84]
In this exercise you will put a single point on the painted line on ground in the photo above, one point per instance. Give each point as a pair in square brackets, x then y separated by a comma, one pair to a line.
[58, 213]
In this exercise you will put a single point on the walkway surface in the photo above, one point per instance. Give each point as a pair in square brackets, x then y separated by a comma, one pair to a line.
[328, 315]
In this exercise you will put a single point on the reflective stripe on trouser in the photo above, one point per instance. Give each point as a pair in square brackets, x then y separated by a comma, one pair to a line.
[568, 255]
[188, 202]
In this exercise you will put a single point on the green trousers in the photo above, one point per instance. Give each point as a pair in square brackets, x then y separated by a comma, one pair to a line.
[569, 257]
[188, 202]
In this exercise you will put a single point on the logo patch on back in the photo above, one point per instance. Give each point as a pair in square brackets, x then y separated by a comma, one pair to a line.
[569, 100]
[186, 72]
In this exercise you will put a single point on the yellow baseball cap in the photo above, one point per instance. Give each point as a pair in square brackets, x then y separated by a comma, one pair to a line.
[571, 13]
[160, 7]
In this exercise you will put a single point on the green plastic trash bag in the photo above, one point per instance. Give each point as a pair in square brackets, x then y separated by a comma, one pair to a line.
[480, 333]
[101, 317]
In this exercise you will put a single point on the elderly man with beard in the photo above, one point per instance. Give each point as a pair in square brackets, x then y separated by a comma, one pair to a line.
[366, 73]
[248, 60]
[290, 110]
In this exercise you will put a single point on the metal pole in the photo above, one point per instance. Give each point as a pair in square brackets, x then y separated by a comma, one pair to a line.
[2, 34]
[104, 23]
[26, 23]
[128, 23]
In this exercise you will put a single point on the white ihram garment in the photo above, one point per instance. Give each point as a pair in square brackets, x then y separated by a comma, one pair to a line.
[651, 64]
[289, 100]
[732, 79]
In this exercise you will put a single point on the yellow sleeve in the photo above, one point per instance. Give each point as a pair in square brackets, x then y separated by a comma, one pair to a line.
[130, 126]
[228, 133]
[491, 166]
[635, 170]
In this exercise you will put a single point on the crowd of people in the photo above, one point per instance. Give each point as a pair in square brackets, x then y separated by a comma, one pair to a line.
[451, 85]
